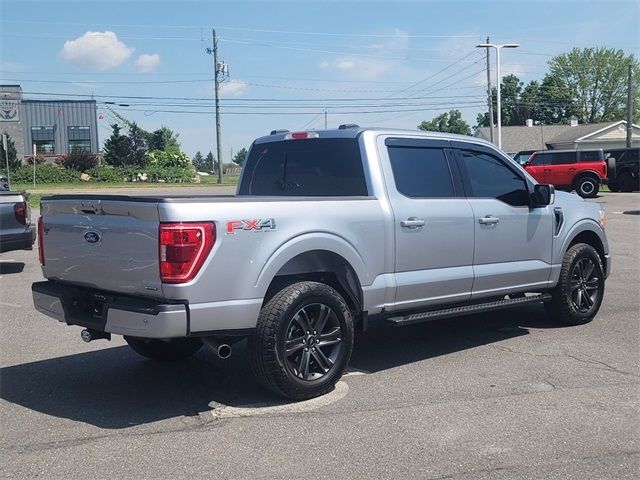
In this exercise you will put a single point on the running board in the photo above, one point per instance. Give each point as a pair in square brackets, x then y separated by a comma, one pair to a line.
[467, 309]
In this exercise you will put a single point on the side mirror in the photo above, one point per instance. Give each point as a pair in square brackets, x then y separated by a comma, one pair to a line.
[543, 195]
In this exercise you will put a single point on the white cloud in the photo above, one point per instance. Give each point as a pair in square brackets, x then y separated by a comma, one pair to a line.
[234, 88]
[97, 50]
[383, 57]
[147, 63]
[345, 64]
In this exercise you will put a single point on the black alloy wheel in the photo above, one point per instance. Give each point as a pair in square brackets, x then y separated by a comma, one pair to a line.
[585, 285]
[313, 341]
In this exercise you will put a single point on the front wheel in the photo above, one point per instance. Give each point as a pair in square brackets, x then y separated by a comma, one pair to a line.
[587, 187]
[578, 296]
[164, 350]
[303, 341]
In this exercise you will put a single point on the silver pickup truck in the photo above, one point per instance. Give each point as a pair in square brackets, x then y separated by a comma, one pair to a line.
[16, 231]
[328, 230]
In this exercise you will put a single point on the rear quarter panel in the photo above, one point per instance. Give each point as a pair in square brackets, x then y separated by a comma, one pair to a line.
[243, 263]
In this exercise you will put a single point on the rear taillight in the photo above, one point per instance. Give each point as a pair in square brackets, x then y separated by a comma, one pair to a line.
[41, 241]
[183, 249]
[20, 211]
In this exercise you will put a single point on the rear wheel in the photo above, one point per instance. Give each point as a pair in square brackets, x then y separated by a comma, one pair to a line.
[303, 341]
[164, 350]
[587, 186]
[577, 297]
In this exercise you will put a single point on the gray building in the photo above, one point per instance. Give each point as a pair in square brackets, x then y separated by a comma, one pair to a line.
[608, 135]
[55, 127]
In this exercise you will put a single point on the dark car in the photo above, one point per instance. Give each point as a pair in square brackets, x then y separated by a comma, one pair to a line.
[624, 169]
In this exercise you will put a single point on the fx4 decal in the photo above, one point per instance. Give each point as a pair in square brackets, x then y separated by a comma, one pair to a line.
[265, 225]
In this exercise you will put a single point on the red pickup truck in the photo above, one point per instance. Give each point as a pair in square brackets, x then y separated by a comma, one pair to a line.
[579, 170]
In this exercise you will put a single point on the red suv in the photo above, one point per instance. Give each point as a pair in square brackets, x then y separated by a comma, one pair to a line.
[579, 170]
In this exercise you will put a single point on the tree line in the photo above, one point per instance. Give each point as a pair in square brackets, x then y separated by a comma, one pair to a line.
[589, 84]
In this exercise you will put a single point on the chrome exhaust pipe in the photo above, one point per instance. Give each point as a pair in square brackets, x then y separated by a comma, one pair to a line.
[223, 350]
[88, 335]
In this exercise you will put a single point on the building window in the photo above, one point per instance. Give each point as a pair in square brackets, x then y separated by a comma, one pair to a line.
[79, 139]
[44, 140]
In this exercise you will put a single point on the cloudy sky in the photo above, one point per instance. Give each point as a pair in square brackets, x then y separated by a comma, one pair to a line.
[376, 63]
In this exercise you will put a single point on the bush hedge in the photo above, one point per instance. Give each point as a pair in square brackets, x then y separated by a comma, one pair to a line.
[50, 173]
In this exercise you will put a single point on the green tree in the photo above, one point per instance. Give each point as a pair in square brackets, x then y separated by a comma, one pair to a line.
[163, 139]
[14, 162]
[450, 122]
[240, 156]
[596, 79]
[198, 162]
[209, 162]
[138, 146]
[116, 148]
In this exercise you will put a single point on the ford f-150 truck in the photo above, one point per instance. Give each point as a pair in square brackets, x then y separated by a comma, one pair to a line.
[328, 230]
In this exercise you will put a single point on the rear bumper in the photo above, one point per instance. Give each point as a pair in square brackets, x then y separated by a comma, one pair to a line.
[140, 317]
[18, 241]
[110, 313]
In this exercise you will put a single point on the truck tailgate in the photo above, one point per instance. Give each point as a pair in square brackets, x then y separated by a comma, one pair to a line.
[108, 244]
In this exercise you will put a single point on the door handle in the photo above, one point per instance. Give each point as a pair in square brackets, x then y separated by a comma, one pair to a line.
[547, 169]
[412, 222]
[572, 169]
[488, 220]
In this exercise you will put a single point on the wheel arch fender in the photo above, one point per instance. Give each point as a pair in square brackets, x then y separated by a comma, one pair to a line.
[311, 246]
[586, 173]
[585, 231]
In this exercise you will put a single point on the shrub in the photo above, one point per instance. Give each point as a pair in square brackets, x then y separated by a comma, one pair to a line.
[79, 160]
[40, 159]
[45, 173]
[106, 173]
[169, 158]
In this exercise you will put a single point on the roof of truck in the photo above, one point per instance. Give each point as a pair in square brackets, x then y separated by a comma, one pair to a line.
[356, 131]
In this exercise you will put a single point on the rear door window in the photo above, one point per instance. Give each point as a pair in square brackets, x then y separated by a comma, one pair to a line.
[562, 158]
[421, 172]
[313, 167]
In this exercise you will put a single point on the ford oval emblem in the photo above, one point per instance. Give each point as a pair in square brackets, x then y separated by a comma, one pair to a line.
[92, 237]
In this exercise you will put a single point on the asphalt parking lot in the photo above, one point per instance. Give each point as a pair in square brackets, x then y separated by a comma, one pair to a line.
[502, 396]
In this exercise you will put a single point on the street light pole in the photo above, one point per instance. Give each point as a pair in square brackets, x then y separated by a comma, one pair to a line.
[498, 81]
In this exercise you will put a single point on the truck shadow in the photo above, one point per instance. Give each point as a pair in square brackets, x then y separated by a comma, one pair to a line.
[113, 388]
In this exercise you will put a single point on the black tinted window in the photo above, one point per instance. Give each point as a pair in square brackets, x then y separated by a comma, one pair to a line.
[540, 159]
[562, 158]
[421, 172]
[313, 167]
[490, 178]
[590, 156]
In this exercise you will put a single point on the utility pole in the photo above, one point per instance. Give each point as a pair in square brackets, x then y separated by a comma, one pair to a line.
[217, 101]
[325, 118]
[629, 107]
[489, 93]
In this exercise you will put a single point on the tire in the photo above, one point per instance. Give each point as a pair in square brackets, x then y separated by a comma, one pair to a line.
[576, 301]
[613, 187]
[164, 350]
[627, 182]
[303, 341]
[587, 186]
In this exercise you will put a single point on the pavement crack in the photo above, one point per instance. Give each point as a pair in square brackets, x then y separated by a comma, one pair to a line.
[588, 361]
